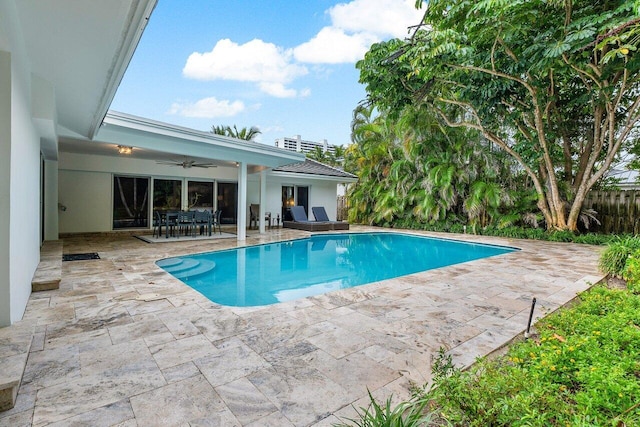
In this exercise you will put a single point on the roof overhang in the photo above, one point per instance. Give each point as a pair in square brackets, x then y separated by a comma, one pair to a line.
[164, 140]
[316, 177]
[81, 49]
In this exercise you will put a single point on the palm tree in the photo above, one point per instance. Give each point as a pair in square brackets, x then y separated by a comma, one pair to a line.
[244, 133]
[318, 154]
[219, 130]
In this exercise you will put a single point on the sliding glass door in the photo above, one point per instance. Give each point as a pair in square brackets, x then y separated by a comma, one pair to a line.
[130, 202]
[294, 196]
[200, 195]
[228, 202]
[167, 194]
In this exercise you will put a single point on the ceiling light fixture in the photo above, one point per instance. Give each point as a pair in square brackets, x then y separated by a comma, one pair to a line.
[123, 149]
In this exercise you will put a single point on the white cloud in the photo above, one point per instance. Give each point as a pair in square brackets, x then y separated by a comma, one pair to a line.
[332, 46]
[278, 90]
[384, 18]
[355, 26]
[304, 92]
[256, 61]
[208, 108]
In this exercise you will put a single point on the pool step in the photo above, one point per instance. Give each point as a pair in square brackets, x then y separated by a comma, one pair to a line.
[182, 268]
[177, 267]
[203, 267]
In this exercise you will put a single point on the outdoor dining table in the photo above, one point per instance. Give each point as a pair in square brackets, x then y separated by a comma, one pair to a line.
[170, 219]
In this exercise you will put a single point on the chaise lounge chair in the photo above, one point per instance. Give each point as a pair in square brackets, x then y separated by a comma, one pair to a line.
[320, 214]
[301, 222]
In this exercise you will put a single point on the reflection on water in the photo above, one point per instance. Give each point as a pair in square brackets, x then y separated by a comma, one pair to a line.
[276, 272]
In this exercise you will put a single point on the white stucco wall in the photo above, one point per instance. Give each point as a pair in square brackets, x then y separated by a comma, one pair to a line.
[86, 197]
[321, 193]
[85, 188]
[5, 184]
[19, 172]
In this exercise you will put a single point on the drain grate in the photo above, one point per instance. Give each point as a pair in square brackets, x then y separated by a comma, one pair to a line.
[80, 257]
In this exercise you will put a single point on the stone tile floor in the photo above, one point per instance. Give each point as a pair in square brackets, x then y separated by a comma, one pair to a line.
[124, 343]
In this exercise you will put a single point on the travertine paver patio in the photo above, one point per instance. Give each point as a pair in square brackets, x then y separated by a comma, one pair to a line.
[122, 342]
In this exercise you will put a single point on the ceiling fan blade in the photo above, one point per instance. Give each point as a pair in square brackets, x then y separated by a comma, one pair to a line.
[204, 165]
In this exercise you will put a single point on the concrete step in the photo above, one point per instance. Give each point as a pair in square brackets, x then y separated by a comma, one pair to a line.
[15, 344]
[49, 272]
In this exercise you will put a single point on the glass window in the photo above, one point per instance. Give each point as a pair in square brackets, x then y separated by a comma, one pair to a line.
[200, 195]
[130, 202]
[167, 194]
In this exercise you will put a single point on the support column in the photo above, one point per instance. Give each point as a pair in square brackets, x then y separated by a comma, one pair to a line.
[263, 200]
[242, 201]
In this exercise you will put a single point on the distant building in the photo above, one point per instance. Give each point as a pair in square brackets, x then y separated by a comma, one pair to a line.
[299, 145]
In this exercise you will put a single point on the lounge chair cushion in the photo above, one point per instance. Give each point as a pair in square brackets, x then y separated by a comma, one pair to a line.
[320, 213]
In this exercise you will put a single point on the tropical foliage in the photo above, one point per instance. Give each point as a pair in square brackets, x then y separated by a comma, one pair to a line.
[247, 134]
[552, 84]
[411, 168]
[332, 158]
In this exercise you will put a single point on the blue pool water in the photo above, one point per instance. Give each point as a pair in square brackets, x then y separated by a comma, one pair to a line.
[284, 271]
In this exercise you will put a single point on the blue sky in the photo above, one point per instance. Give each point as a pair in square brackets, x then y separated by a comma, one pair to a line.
[285, 66]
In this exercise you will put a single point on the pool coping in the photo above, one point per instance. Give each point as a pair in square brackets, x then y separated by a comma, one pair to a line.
[137, 338]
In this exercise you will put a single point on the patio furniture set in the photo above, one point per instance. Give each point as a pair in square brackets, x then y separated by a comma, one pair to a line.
[322, 222]
[188, 223]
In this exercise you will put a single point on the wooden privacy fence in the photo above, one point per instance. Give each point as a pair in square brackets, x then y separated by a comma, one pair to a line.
[343, 208]
[617, 211]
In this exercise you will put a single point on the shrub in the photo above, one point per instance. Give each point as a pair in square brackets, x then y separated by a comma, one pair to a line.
[632, 272]
[614, 257]
[405, 414]
[580, 369]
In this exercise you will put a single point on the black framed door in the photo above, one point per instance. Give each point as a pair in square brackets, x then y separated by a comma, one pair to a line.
[302, 198]
[228, 202]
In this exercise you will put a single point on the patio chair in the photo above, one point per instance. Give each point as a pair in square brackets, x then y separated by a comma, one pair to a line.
[157, 224]
[203, 221]
[254, 215]
[320, 214]
[186, 223]
[216, 220]
[301, 222]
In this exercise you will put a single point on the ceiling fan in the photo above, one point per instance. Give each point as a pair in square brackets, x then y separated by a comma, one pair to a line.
[186, 164]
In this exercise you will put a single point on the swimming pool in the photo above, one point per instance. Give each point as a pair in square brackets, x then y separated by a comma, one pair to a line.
[284, 271]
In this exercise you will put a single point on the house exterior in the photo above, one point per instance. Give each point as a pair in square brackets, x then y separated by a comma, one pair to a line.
[69, 165]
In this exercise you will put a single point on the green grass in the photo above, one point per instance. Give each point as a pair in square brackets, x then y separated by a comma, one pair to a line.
[582, 368]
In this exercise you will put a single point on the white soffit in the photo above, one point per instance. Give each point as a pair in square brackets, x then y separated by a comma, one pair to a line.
[125, 129]
[82, 47]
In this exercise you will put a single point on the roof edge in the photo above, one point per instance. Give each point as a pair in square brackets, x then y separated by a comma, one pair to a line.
[137, 19]
[123, 120]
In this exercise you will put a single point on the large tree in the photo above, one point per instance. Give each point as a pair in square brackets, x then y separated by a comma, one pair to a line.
[553, 83]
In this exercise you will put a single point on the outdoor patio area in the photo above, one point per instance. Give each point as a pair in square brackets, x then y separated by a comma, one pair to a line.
[122, 342]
